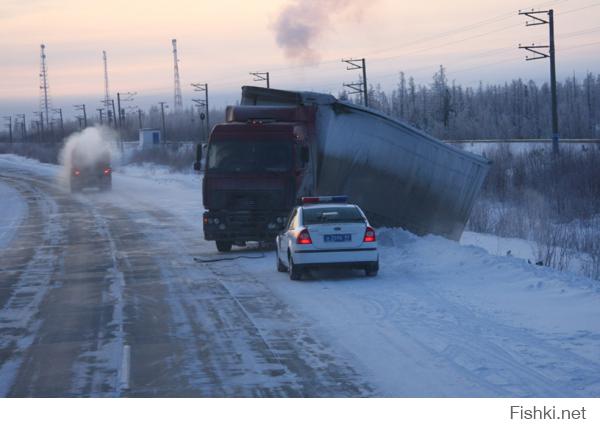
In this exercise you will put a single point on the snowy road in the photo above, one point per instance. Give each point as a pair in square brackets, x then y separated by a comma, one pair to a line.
[100, 296]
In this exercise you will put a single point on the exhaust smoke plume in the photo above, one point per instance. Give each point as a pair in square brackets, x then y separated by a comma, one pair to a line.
[89, 146]
[302, 22]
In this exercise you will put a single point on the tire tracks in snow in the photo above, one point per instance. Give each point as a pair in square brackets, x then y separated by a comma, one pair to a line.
[27, 274]
[241, 340]
[504, 360]
[74, 348]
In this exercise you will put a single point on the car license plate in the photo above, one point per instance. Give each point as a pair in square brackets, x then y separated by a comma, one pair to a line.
[342, 237]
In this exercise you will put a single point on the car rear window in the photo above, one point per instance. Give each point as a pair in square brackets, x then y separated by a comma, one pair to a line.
[331, 215]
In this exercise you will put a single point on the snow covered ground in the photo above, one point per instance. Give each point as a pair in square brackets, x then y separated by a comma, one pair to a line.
[441, 319]
[12, 210]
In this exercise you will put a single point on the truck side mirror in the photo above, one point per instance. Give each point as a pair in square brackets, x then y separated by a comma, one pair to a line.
[304, 155]
[197, 166]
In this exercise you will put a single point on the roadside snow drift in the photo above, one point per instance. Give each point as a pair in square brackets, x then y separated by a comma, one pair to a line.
[12, 210]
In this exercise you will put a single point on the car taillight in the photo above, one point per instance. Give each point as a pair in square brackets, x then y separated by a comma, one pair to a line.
[304, 238]
[77, 172]
[370, 235]
[107, 171]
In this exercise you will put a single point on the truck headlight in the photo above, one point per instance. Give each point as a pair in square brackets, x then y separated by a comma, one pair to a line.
[216, 220]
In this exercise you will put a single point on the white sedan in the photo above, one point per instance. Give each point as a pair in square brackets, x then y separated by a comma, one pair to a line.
[327, 232]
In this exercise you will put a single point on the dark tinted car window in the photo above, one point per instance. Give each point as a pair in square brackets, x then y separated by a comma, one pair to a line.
[331, 215]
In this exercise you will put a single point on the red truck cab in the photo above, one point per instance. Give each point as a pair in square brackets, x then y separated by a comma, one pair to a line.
[256, 165]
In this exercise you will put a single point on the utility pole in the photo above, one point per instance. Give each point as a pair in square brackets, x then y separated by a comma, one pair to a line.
[9, 124]
[119, 107]
[114, 113]
[38, 127]
[542, 55]
[127, 97]
[62, 125]
[81, 107]
[163, 104]
[203, 103]
[23, 126]
[358, 87]
[261, 77]
[140, 118]
[40, 123]
[100, 110]
[51, 130]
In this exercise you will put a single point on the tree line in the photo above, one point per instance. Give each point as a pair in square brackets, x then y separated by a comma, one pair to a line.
[449, 111]
[513, 110]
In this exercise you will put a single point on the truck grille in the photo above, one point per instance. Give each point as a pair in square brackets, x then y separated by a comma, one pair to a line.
[248, 200]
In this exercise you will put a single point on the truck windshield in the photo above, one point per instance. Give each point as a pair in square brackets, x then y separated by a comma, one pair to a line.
[250, 156]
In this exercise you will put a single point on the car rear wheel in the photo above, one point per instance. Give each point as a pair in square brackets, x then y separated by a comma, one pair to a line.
[224, 246]
[294, 270]
[372, 269]
[280, 266]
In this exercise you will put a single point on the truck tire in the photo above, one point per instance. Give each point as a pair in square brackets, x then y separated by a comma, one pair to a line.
[280, 266]
[224, 246]
[294, 270]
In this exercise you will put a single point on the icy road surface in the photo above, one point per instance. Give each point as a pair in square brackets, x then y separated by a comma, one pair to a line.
[100, 296]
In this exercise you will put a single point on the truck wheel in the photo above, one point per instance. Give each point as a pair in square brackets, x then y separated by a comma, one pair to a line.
[294, 270]
[224, 246]
[280, 266]
[372, 269]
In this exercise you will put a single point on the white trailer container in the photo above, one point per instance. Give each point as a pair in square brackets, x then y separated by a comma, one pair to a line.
[399, 175]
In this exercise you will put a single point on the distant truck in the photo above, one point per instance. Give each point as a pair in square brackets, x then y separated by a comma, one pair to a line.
[278, 146]
[90, 170]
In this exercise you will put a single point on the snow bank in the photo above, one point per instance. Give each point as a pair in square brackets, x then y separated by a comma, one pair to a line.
[12, 210]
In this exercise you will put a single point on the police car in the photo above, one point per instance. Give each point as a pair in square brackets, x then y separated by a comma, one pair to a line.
[326, 231]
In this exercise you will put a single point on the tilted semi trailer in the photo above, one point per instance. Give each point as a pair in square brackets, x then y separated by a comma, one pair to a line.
[280, 145]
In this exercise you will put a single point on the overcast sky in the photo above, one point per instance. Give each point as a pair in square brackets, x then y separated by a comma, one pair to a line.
[301, 43]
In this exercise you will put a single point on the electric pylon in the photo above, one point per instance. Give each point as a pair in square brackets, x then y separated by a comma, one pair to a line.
[45, 104]
[177, 100]
[106, 101]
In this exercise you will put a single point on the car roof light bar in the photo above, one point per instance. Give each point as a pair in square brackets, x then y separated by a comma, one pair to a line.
[324, 199]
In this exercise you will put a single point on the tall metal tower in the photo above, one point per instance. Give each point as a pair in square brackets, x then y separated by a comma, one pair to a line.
[45, 103]
[177, 100]
[106, 101]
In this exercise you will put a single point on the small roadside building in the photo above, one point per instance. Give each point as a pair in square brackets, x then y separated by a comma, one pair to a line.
[149, 137]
